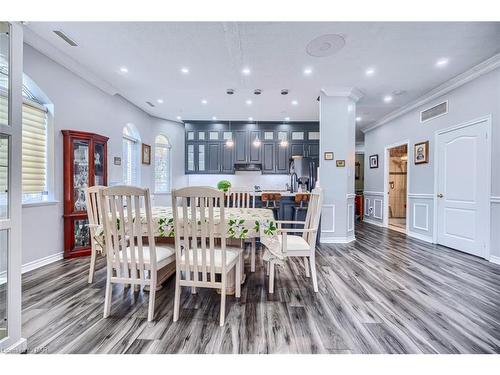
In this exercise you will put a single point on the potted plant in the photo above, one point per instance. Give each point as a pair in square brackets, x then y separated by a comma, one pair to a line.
[223, 185]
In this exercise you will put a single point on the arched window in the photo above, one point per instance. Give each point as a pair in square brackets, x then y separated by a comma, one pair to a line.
[162, 164]
[130, 155]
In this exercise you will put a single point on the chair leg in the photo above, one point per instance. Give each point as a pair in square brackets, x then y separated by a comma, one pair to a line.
[177, 298]
[152, 296]
[193, 290]
[252, 256]
[306, 266]
[271, 277]
[92, 265]
[223, 299]
[237, 279]
[268, 267]
[108, 295]
[313, 274]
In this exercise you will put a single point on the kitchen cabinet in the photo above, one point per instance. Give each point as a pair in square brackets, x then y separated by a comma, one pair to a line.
[207, 152]
[254, 155]
[240, 146]
[282, 159]
[268, 157]
[213, 157]
[227, 159]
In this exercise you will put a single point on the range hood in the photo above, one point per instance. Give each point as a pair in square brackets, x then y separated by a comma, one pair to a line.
[248, 167]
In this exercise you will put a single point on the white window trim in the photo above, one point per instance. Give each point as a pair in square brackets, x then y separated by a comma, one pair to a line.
[137, 140]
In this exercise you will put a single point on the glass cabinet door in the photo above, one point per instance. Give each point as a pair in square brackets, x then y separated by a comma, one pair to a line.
[190, 158]
[80, 173]
[81, 233]
[99, 166]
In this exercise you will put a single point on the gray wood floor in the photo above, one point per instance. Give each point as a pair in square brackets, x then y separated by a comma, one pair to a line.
[383, 293]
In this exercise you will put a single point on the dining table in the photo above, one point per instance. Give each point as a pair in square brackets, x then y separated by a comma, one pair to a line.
[241, 224]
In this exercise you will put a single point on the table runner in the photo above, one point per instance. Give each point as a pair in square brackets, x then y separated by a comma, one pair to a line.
[242, 223]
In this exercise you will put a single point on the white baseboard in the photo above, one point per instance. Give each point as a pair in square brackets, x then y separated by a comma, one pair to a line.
[18, 347]
[42, 262]
[370, 221]
[33, 265]
[337, 239]
[419, 236]
[494, 259]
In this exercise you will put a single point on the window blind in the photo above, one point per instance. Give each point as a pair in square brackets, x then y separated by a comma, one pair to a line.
[34, 148]
[162, 165]
[129, 161]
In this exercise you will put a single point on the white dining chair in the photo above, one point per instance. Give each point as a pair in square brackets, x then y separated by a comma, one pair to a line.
[301, 246]
[242, 198]
[94, 213]
[200, 223]
[127, 219]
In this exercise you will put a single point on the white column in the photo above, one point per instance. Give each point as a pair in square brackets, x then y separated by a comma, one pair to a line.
[338, 135]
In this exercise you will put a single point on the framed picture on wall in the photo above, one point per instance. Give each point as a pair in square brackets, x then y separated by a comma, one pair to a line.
[328, 155]
[421, 152]
[374, 161]
[146, 154]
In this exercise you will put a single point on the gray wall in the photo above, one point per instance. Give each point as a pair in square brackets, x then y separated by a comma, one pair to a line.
[478, 98]
[79, 105]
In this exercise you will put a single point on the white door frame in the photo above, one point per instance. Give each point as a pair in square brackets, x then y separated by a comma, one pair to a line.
[385, 218]
[486, 119]
[14, 341]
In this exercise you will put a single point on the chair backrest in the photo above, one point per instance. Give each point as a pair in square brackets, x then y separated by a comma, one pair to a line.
[313, 216]
[94, 210]
[239, 198]
[198, 226]
[127, 218]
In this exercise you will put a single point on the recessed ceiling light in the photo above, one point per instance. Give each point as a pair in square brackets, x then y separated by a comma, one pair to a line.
[159, 101]
[124, 69]
[387, 98]
[214, 118]
[248, 102]
[369, 72]
[295, 102]
[358, 119]
[185, 70]
[250, 119]
[308, 71]
[246, 71]
[204, 101]
[178, 117]
[287, 118]
[442, 62]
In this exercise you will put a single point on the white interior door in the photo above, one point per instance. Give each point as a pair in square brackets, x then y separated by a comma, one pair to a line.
[462, 188]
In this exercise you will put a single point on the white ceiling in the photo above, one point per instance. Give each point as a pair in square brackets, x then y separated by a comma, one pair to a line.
[403, 55]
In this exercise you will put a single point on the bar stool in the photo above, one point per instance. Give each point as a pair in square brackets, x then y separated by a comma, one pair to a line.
[272, 201]
[301, 201]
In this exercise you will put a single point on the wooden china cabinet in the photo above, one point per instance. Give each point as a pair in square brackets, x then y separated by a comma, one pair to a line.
[85, 164]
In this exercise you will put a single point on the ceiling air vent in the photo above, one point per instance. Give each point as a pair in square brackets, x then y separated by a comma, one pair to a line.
[433, 112]
[150, 104]
[66, 38]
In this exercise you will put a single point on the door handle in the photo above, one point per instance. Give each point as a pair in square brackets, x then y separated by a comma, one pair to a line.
[440, 195]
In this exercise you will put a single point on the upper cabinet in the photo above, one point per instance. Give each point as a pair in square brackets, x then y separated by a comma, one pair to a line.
[208, 153]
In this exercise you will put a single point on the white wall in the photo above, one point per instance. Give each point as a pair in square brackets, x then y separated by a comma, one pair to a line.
[243, 180]
[473, 100]
[78, 105]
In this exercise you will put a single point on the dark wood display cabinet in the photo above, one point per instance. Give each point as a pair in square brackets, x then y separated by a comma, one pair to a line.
[85, 164]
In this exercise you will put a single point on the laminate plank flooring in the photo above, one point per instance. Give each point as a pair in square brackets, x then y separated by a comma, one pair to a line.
[383, 293]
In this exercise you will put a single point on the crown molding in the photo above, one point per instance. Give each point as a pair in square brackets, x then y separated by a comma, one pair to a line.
[469, 75]
[350, 92]
[46, 48]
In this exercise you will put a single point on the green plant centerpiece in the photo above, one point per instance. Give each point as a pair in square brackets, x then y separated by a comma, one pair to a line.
[224, 185]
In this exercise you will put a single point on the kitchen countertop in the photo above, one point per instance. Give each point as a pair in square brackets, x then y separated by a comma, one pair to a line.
[284, 193]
